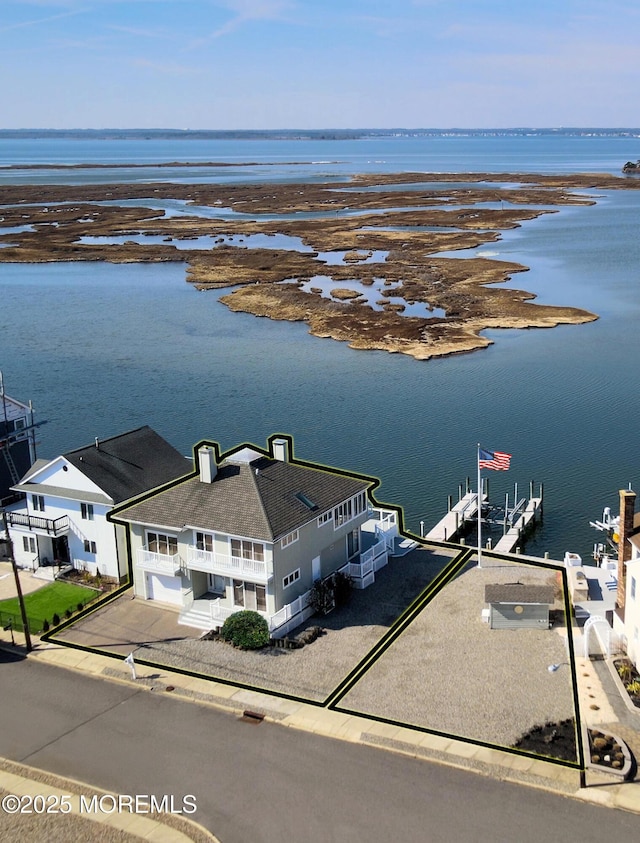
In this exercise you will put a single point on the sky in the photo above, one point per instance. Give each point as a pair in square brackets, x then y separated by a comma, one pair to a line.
[312, 64]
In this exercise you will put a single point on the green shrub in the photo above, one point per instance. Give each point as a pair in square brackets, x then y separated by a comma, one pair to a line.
[45, 625]
[55, 619]
[246, 629]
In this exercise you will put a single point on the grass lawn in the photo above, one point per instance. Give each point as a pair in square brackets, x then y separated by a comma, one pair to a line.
[42, 604]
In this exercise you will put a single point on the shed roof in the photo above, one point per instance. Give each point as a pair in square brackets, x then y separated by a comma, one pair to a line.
[518, 593]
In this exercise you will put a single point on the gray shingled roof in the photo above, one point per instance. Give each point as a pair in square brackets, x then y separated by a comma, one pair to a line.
[518, 593]
[127, 465]
[257, 499]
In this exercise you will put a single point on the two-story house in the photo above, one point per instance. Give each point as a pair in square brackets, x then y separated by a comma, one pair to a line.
[252, 530]
[626, 617]
[62, 515]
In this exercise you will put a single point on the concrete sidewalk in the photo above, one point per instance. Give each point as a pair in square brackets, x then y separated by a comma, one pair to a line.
[602, 789]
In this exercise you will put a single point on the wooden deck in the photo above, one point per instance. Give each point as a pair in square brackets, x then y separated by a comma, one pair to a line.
[455, 521]
[511, 538]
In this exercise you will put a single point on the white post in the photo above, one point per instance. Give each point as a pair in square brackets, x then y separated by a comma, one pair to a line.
[129, 660]
[479, 487]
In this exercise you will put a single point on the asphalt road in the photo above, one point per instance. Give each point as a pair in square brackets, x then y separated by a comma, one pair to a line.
[265, 783]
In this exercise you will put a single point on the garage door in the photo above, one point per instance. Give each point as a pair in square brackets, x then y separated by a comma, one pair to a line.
[164, 589]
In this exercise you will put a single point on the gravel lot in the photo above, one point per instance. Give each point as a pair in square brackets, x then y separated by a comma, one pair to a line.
[315, 670]
[447, 671]
[450, 672]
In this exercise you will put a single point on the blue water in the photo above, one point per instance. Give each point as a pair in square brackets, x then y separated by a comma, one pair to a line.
[103, 348]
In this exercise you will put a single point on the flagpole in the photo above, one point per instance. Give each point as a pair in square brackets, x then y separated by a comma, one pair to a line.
[479, 487]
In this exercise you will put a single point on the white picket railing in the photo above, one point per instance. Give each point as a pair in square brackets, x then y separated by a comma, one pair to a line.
[225, 564]
[158, 563]
[289, 611]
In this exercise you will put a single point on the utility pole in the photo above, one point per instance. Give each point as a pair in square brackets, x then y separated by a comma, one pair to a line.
[23, 611]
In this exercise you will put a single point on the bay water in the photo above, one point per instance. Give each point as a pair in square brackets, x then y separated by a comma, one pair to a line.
[103, 348]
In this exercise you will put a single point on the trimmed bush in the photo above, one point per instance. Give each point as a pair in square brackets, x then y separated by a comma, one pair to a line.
[246, 629]
[55, 619]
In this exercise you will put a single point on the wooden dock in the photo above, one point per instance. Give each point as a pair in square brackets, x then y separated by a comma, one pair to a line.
[532, 510]
[455, 521]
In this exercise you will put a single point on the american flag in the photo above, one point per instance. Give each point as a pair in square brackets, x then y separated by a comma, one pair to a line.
[497, 460]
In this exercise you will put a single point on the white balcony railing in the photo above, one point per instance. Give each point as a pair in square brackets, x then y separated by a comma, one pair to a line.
[158, 563]
[227, 565]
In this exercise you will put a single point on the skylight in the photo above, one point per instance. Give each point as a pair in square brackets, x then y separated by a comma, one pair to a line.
[306, 501]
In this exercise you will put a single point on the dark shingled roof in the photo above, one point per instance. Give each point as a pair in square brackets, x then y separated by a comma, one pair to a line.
[129, 464]
[259, 499]
[518, 593]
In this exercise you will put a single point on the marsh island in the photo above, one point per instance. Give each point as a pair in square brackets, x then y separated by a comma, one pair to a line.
[365, 260]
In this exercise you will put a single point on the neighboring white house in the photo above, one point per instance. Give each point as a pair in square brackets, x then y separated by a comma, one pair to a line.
[62, 516]
[632, 605]
[626, 617]
[253, 530]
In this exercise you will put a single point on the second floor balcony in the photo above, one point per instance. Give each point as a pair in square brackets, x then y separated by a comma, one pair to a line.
[158, 563]
[228, 565]
[38, 524]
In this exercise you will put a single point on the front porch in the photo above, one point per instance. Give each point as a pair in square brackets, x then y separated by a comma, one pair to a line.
[210, 611]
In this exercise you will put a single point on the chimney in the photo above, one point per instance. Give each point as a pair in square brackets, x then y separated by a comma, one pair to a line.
[207, 463]
[281, 450]
[625, 531]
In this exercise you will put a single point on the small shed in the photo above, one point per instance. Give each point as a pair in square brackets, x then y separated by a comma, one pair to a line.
[518, 606]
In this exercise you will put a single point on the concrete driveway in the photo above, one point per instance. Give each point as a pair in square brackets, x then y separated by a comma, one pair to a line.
[28, 582]
[125, 624]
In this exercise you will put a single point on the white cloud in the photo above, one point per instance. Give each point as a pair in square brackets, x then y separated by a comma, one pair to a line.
[38, 21]
[244, 12]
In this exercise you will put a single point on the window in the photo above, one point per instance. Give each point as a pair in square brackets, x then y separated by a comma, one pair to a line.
[343, 513]
[325, 518]
[353, 543]
[243, 549]
[29, 544]
[633, 588]
[250, 595]
[290, 538]
[294, 576]
[204, 541]
[161, 543]
[86, 511]
[89, 547]
[38, 502]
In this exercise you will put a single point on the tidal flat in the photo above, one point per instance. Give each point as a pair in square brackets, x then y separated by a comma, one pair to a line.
[387, 230]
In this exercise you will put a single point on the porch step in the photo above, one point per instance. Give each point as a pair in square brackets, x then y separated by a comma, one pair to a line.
[402, 546]
[198, 620]
[47, 573]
